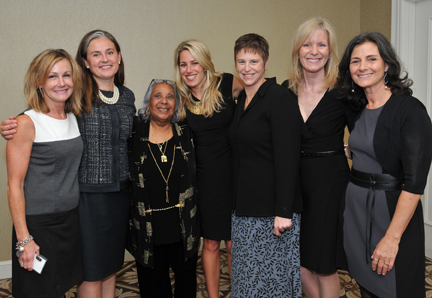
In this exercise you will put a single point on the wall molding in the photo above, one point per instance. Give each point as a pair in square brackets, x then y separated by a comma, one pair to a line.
[402, 26]
[5, 269]
[428, 203]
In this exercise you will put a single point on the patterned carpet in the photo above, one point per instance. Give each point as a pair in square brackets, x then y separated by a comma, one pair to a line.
[127, 282]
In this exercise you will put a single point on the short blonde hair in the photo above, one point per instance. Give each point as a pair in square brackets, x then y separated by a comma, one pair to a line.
[211, 98]
[304, 31]
[37, 74]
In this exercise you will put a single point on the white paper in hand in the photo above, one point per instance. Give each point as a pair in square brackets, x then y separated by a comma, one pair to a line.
[39, 263]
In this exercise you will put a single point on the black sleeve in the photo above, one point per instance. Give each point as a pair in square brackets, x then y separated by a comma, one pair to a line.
[286, 138]
[416, 146]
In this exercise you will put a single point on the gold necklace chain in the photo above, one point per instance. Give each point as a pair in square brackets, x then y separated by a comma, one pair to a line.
[167, 179]
[163, 156]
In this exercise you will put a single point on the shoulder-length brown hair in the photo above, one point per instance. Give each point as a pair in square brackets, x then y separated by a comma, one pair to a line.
[90, 85]
[38, 73]
[304, 31]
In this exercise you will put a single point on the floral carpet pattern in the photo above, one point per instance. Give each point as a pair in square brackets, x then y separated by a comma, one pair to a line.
[127, 284]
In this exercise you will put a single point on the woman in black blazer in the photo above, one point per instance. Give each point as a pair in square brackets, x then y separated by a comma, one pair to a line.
[265, 139]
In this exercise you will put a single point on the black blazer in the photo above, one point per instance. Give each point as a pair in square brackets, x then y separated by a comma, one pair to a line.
[265, 140]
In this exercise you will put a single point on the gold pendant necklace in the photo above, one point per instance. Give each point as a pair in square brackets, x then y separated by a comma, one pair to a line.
[167, 179]
[163, 156]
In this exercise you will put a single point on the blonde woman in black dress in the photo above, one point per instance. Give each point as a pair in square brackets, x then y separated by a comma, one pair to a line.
[207, 102]
[323, 167]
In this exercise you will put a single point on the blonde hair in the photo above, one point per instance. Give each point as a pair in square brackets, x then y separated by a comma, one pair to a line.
[211, 98]
[304, 32]
[38, 73]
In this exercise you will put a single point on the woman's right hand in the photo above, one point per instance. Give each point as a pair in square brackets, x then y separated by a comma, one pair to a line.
[7, 128]
[347, 151]
[26, 259]
[281, 224]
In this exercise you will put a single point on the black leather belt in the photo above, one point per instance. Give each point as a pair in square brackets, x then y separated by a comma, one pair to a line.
[373, 182]
[323, 153]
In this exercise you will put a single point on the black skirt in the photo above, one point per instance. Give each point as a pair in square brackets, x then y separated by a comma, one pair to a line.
[58, 236]
[104, 219]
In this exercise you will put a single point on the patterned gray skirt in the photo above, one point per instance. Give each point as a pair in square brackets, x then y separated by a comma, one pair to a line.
[265, 265]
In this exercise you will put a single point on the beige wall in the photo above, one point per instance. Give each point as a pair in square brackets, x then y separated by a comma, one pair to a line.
[148, 32]
[375, 16]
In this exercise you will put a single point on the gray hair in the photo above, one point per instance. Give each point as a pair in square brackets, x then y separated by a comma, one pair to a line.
[96, 34]
[142, 111]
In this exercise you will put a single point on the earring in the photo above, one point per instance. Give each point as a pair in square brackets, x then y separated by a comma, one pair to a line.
[352, 87]
[88, 67]
[385, 77]
[119, 62]
[41, 91]
[147, 112]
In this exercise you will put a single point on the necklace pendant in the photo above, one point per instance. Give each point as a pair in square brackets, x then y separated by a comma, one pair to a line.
[164, 158]
[166, 192]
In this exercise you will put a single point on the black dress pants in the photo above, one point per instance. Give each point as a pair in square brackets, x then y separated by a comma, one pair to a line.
[155, 282]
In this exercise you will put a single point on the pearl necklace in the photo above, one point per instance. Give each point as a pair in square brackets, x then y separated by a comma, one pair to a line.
[111, 100]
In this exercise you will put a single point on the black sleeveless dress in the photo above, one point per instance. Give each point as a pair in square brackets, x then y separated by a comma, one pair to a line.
[214, 165]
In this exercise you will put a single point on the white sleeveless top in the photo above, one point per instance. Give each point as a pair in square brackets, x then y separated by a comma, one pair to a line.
[51, 183]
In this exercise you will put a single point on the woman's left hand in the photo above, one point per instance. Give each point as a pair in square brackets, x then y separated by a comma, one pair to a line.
[384, 255]
[281, 224]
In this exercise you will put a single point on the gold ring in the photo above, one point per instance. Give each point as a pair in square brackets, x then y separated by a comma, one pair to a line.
[386, 264]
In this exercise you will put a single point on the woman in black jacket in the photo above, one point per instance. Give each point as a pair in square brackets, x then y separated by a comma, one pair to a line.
[164, 220]
[265, 139]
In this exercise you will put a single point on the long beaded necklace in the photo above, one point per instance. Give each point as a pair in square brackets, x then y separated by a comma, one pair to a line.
[165, 179]
[111, 100]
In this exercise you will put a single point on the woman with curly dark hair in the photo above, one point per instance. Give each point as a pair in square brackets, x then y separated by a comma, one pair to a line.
[391, 146]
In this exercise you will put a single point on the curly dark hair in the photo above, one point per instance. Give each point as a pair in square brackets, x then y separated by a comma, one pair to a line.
[397, 81]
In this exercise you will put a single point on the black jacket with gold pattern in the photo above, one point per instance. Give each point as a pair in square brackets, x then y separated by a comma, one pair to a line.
[140, 242]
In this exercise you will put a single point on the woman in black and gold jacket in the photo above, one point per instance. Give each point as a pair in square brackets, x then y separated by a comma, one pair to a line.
[164, 225]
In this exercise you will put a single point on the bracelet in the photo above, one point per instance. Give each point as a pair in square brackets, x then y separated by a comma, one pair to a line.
[24, 242]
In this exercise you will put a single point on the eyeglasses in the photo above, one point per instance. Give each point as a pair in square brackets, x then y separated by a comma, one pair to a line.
[159, 81]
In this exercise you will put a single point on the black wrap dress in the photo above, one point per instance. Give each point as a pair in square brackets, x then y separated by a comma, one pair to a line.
[323, 181]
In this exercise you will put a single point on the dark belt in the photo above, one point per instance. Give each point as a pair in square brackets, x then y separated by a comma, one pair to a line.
[323, 153]
[373, 182]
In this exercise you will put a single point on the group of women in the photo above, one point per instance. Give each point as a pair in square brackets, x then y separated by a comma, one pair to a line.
[223, 158]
